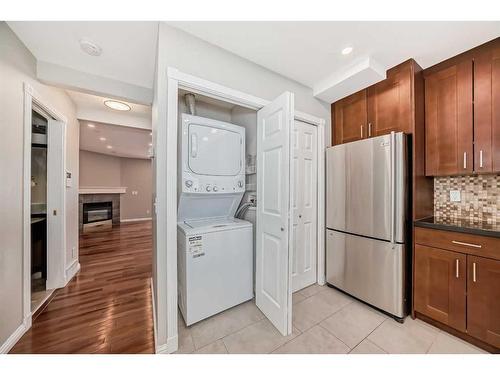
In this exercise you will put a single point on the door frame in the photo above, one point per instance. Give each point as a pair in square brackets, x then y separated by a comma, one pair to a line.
[33, 97]
[166, 198]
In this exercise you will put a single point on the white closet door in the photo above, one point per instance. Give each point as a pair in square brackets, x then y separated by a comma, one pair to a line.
[305, 164]
[273, 292]
[56, 195]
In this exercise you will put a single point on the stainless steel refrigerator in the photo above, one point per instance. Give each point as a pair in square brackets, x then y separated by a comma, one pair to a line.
[367, 213]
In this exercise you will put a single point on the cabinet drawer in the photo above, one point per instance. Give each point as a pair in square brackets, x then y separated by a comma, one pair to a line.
[461, 242]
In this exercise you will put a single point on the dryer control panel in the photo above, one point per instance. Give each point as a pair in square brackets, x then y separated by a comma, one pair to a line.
[191, 184]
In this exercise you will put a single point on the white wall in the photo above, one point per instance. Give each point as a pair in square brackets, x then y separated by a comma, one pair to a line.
[191, 55]
[17, 65]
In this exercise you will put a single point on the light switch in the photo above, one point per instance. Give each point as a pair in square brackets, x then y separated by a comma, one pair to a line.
[455, 196]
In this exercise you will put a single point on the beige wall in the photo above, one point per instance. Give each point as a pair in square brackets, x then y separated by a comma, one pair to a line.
[136, 176]
[17, 65]
[99, 170]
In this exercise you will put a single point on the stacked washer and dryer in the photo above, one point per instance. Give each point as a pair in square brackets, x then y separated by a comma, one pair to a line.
[214, 249]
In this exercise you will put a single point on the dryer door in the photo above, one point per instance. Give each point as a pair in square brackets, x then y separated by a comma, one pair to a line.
[214, 151]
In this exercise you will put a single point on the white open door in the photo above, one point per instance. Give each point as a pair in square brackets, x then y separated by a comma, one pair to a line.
[273, 292]
[55, 204]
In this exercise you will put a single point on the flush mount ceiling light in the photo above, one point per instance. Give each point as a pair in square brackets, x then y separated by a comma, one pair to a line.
[91, 126]
[116, 105]
[90, 47]
[102, 139]
[347, 50]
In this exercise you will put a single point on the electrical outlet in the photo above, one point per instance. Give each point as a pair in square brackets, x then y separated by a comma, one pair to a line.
[455, 196]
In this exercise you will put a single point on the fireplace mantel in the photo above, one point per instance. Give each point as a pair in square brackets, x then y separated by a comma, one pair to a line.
[102, 190]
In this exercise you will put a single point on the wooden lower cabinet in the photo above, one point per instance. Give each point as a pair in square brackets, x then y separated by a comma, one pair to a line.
[440, 285]
[457, 283]
[483, 299]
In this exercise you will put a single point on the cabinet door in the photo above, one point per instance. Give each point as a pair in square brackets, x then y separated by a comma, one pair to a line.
[389, 103]
[440, 281]
[487, 111]
[350, 118]
[448, 121]
[483, 299]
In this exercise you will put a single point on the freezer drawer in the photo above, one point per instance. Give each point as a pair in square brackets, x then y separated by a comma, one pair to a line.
[371, 270]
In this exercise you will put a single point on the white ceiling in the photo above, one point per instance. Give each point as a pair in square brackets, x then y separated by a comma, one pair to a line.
[92, 108]
[310, 52]
[125, 141]
[128, 48]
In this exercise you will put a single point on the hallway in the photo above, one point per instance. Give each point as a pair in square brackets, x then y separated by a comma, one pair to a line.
[107, 307]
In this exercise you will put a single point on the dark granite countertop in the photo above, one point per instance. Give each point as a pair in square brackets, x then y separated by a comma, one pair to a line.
[460, 225]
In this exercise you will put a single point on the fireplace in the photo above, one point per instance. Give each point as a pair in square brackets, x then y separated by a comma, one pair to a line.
[97, 216]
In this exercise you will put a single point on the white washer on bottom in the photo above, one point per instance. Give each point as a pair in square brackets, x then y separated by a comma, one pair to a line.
[215, 266]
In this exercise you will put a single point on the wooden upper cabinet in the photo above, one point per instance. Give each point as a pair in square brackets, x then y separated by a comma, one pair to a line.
[440, 285]
[487, 111]
[390, 102]
[448, 120]
[349, 117]
[483, 299]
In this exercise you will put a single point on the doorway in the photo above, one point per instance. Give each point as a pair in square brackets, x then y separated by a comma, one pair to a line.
[273, 121]
[44, 178]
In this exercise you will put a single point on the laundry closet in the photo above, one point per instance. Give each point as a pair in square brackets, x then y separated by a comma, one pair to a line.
[230, 198]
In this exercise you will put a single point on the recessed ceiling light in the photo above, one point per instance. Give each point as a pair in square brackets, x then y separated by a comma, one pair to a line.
[90, 47]
[109, 147]
[102, 139]
[150, 144]
[91, 126]
[116, 105]
[347, 50]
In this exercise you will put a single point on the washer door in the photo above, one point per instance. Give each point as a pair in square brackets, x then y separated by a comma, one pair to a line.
[214, 151]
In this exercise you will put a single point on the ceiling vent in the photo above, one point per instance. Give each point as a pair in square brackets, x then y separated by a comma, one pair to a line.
[90, 47]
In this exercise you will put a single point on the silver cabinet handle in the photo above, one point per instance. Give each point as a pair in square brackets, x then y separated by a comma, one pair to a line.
[361, 127]
[474, 271]
[369, 129]
[457, 263]
[481, 159]
[465, 160]
[466, 244]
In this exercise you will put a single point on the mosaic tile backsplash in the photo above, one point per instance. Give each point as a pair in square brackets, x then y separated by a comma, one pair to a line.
[480, 198]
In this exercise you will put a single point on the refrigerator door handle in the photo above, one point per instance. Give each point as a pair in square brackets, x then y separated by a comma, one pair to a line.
[393, 187]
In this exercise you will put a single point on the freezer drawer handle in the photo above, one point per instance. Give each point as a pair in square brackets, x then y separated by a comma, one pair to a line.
[466, 244]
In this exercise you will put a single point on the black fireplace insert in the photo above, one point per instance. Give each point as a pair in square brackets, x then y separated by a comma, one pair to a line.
[94, 212]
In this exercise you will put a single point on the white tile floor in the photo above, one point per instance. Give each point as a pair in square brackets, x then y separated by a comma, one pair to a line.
[324, 321]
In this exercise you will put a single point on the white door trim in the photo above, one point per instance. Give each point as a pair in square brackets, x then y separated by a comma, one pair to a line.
[30, 97]
[166, 211]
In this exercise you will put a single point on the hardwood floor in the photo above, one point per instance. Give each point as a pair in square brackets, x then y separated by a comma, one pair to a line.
[107, 307]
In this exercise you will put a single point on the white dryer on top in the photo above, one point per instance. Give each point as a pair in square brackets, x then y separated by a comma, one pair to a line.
[211, 167]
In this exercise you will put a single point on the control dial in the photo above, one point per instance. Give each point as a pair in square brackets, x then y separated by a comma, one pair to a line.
[215, 189]
[188, 183]
[240, 184]
[208, 188]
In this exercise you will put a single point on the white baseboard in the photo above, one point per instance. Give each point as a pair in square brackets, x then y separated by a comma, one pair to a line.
[133, 220]
[71, 271]
[16, 335]
[169, 347]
